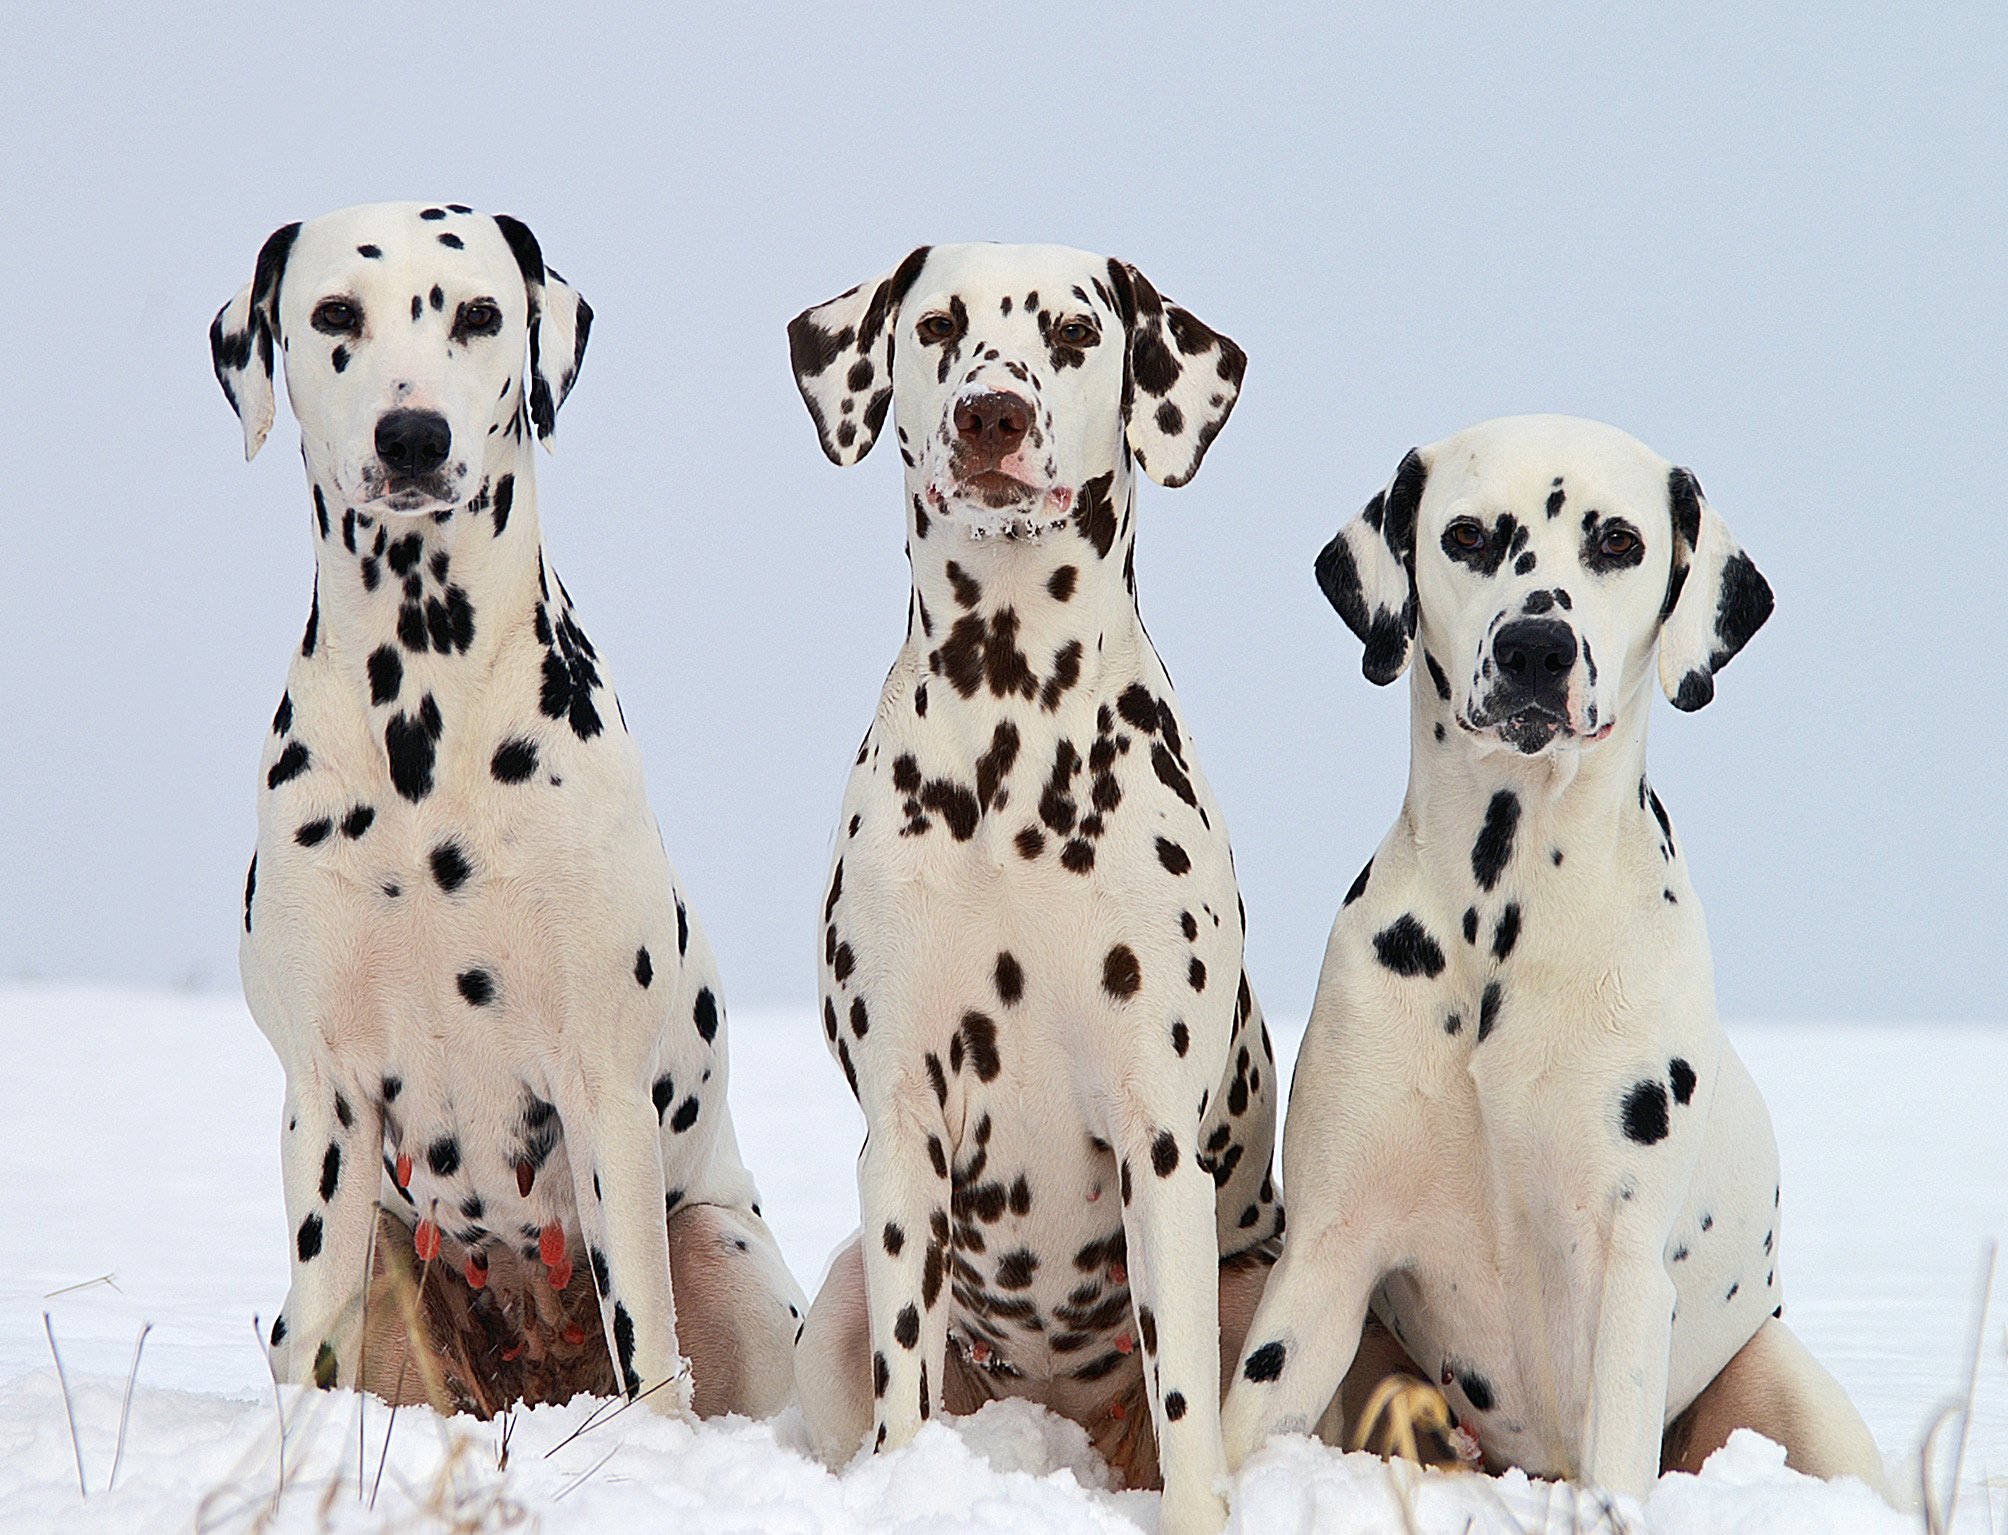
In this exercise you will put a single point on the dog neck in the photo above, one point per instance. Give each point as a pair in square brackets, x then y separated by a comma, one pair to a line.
[440, 590]
[1485, 816]
[1033, 616]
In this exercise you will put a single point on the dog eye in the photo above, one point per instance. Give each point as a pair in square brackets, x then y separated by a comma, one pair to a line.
[336, 317]
[936, 327]
[1079, 333]
[1467, 533]
[1617, 542]
[477, 317]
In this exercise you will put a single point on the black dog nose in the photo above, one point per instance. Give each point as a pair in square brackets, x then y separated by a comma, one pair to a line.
[413, 441]
[994, 423]
[1537, 654]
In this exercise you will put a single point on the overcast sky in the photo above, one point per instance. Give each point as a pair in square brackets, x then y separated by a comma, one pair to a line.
[1771, 246]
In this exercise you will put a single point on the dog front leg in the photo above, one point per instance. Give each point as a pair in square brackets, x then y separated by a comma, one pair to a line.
[328, 1151]
[1307, 1329]
[616, 1158]
[1174, 1276]
[1627, 1406]
[903, 1188]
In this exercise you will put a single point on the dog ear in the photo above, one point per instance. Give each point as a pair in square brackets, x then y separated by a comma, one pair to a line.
[1715, 597]
[243, 336]
[1367, 572]
[841, 352]
[1180, 379]
[560, 321]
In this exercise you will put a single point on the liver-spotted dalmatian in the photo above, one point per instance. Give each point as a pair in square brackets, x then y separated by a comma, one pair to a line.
[1032, 942]
[1517, 1131]
[498, 1017]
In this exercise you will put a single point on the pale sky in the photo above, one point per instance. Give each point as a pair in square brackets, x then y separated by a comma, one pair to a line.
[1770, 245]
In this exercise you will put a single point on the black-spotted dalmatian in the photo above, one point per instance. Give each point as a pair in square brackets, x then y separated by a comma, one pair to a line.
[1031, 945]
[1516, 1129]
[496, 1012]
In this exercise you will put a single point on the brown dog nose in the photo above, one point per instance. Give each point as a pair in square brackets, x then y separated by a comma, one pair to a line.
[992, 424]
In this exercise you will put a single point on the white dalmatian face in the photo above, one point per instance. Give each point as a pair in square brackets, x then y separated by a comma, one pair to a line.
[1018, 373]
[1537, 561]
[403, 328]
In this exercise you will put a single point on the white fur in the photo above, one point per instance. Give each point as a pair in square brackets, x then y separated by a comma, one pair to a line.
[1467, 1170]
[932, 884]
[355, 950]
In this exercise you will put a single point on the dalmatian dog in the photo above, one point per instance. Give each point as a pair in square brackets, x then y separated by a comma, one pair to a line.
[498, 1016]
[1517, 1131]
[1032, 942]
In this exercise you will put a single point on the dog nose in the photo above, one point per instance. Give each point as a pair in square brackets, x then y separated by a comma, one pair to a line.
[1537, 655]
[995, 423]
[413, 441]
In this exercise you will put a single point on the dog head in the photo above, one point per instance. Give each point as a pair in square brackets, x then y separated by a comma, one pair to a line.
[1018, 373]
[403, 329]
[1538, 560]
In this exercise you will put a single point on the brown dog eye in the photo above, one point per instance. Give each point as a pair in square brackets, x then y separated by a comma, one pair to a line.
[1078, 333]
[936, 327]
[336, 317]
[477, 317]
[1466, 534]
[1618, 542]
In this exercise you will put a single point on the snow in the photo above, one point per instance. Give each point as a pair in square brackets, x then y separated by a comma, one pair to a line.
[141, 1142]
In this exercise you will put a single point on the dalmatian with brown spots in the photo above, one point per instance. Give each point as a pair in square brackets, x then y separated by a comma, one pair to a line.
[1031, 944]
[1517, 1131]
[498, 1017]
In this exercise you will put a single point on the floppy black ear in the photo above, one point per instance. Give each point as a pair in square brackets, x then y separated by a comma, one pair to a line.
[560, 321]
[1367, 572]
[1715, 597]
[242, 340]
[841, 352]
[1180, 379]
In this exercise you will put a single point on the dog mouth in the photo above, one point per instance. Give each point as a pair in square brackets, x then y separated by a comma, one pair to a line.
[993, 504]
[408, 495]
[1531, 729]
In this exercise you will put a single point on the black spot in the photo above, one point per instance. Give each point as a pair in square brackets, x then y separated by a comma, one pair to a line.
[1494, 847]
[443, 1156]
[309, 1240]
[979, 1034]
[282, 718]
[1477, 1390]
[293, 761]
[514, 761]
[358, 821]
[1266, 1363]
[343, 1114]
[408, 746]
[881, 1376]
[907, 1328]
[1358, 887]
[1488, 1010]
[685, 1116]
[250, 889]
[331, 1171]
[704, 1013]
[1181, 1038]
[1436, 676]
[1683, 1079]
[1174, 1406]
[1406, 948]
[1645, 1114]
[1164, 1154]
[477, 986]
[861, 1022]
[449, 866]
[1009, 976]
[1175, 858]
[1195, 973]
[326, 1367]
[1507, 933]
[663, 1090]
[1471, 924]
[1014, 1270]
[1122, 975]
[313, 833]
[278, 1331]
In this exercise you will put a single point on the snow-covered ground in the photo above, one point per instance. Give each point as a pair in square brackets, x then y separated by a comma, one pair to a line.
[139, 1139]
